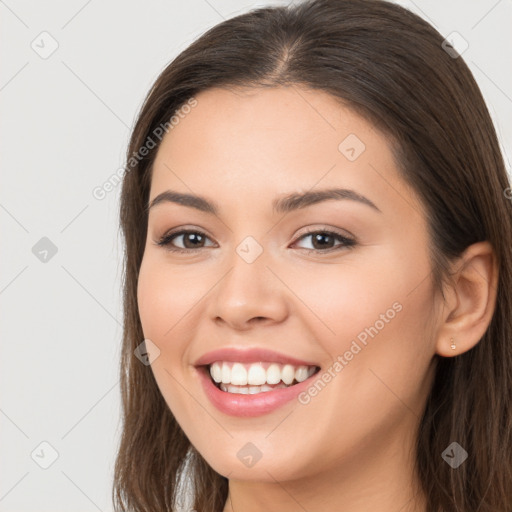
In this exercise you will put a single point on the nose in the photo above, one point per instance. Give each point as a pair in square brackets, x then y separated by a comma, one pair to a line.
[249, 294]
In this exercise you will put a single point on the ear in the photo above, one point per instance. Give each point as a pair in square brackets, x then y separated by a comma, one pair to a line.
[470, 300]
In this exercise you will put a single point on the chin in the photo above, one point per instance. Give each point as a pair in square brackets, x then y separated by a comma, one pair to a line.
[249, 464]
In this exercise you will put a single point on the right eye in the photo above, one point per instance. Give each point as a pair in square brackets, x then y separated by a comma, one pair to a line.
[192, 238]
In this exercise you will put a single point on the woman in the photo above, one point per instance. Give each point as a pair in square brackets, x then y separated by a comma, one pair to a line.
[318, 273]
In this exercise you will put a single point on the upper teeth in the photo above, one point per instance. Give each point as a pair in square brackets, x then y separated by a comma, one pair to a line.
[256, 374]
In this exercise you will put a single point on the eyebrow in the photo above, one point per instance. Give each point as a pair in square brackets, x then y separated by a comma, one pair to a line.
[288, 203]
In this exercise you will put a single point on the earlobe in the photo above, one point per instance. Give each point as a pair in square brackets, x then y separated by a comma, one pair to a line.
[471, 303]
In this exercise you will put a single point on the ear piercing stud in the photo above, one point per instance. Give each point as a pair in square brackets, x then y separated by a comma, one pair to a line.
[452, 346]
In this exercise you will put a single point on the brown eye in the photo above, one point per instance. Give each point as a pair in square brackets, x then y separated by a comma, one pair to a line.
[190, 239]
[325, 241]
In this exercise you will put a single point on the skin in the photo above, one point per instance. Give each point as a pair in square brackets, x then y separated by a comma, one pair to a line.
[351, 446]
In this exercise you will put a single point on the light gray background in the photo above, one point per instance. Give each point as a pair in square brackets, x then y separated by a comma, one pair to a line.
[65, 122]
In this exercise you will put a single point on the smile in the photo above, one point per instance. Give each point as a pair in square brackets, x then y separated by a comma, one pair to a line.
[261, 377]
[250, 400]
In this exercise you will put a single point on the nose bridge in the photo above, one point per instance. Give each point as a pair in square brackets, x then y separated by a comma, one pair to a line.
[248, 290]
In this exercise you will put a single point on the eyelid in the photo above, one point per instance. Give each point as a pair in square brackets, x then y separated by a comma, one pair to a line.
[327, 229]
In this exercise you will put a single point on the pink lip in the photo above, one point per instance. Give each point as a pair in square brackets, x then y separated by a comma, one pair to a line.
[236, 404]
[252, 355]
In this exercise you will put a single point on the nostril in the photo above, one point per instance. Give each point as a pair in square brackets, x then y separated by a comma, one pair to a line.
[258, 319]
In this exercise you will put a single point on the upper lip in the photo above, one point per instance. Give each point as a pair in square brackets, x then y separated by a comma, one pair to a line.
[249, 355]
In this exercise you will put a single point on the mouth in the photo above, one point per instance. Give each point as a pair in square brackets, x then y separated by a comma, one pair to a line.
[254, 378]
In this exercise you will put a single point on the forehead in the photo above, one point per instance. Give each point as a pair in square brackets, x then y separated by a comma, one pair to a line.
[273, 140]
[293, 113]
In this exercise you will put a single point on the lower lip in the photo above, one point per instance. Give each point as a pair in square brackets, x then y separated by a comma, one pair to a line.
[237, 404]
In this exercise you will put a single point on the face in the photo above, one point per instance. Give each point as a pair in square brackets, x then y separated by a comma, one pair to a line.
[265, 287]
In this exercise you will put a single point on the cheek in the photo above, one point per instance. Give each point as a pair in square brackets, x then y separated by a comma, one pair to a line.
[164, 298]
[380, 370]
[386, 345]
[375, 325]
[358, 299]
[164, 302]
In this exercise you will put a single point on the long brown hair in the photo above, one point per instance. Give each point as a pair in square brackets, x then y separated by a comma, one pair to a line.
[390, 67]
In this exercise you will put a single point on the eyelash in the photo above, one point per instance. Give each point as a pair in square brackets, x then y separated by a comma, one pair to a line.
[346, 242]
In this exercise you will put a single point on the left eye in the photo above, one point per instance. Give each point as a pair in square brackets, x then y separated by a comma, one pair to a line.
[322, 241]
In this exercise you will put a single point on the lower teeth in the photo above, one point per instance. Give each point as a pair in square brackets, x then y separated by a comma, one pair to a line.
[251, 390]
